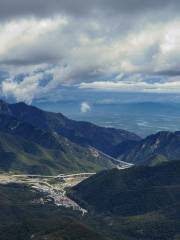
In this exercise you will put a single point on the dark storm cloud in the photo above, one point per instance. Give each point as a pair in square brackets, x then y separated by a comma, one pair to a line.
[12, 8]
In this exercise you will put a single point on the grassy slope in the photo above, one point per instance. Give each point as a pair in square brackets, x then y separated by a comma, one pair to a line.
[156, 225]
[133, 191]
[79, 132]
[137, 203]
[20, 155]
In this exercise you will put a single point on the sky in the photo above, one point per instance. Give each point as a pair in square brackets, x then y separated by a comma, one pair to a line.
[48, 48]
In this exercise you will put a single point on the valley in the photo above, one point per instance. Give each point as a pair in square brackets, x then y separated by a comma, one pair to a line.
[52, 187]
[83, 181]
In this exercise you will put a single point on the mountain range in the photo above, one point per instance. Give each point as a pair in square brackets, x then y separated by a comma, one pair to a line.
[50, 142]
[154, 149]
[38, 142]
[83, 133]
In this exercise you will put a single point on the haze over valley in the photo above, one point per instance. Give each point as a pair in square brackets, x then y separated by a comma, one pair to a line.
[113, 111]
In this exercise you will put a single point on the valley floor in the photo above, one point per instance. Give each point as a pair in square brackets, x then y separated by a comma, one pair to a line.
[52, 187]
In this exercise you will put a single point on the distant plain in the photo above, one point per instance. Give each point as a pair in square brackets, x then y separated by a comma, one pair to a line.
[142, 118]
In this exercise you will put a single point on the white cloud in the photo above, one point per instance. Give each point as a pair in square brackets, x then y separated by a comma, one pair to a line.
[25, 90]
[24, 40]
[88, 53]
[85, 107]
[135, 85]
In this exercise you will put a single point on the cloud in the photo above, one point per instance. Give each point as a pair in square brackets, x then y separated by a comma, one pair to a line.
[136, 83]
[25, 42]
[24, 90]
[85, 107]
[128, 45]
[38, 8]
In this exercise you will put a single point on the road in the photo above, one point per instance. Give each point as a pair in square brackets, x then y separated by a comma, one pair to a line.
[54, 187]
[61, 176]
[120, 164]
